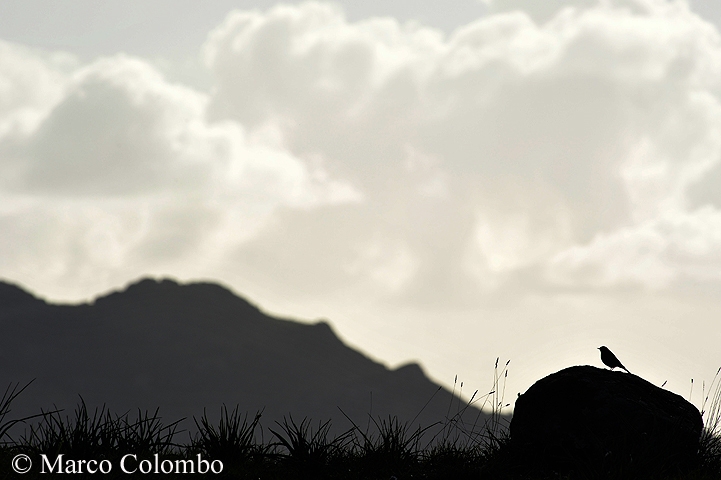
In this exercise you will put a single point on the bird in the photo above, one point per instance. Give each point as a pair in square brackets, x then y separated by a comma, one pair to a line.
[608, 358]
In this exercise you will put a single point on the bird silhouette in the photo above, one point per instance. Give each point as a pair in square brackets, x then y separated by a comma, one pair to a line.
[608, 358]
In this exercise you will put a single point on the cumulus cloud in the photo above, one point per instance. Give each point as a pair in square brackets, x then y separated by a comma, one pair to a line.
[573, 143]
[118, 173]
[567, 140]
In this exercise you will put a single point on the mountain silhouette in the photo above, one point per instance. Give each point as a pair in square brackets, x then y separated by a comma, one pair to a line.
[189, 347]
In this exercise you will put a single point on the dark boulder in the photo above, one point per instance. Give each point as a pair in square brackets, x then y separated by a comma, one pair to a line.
[596, 421]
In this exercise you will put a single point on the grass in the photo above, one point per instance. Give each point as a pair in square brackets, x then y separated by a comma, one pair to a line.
[234, 437]
[11, 393]
[710, 451]
[98, 435]
[385, 449]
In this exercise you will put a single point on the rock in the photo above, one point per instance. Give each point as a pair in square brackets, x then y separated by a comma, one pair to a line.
[587, 419]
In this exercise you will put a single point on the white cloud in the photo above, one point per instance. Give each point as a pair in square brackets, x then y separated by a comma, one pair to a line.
[574, 144]
[605, 115]
[119, 173]
[31, 82]
[541, 12]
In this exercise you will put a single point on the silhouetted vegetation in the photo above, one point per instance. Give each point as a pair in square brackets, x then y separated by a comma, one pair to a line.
[384, 448]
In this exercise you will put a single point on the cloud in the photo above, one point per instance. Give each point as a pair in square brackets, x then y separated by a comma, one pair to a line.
[540, 12]
[119, 173]
[573, 145]
[544, 140]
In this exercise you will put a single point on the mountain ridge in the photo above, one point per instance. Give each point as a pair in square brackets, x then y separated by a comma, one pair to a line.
[189, 347]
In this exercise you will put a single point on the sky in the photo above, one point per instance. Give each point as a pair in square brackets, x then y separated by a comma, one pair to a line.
[506, 178]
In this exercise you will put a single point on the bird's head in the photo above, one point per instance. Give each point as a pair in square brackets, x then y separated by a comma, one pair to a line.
[602, 348]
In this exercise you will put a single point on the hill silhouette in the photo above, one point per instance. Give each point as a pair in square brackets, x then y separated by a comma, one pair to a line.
[189, 347]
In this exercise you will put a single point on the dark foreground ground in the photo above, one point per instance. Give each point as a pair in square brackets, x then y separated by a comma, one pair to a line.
[101, 444]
